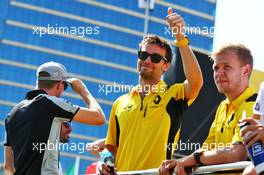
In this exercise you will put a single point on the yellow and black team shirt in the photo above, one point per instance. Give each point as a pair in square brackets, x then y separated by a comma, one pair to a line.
[144, 131]
[225, 129]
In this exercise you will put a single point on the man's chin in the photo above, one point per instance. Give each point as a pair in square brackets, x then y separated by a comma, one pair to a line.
[145, 75]
[221, 90]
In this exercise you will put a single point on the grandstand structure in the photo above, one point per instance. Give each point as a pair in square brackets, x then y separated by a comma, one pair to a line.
[97, 41]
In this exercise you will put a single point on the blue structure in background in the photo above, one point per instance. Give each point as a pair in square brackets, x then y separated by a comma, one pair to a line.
[105, 54]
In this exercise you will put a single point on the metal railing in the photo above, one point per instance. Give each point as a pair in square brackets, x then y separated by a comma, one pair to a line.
[227, 168]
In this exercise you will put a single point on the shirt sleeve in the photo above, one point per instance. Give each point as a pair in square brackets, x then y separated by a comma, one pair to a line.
[6, 141]
[179, 89]
[62, 108]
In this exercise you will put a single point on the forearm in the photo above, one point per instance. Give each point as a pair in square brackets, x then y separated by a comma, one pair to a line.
[8, 161]
[223, 156]
[189, 161]
[90, 101]
[191, 68]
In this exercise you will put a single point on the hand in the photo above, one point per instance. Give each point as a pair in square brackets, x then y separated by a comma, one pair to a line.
[176, 24]
[180, 168]
[257, 131]
[167, 167]
[77, 85]
[105, 170]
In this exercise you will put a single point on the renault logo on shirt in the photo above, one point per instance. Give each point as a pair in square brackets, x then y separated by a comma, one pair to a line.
[157, 100]
[128, 107]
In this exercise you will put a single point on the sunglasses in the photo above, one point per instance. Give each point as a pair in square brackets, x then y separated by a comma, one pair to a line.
[65, 84]
[67, 124]
[155, 58]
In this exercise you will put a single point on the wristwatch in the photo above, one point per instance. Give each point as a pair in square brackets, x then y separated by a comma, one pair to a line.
[197, 155]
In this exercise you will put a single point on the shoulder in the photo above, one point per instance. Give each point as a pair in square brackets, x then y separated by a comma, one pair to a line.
[61, 103]
[248, 105]
[176, 86]
[252, 98]
[221, 108]
[176, 90]
[121, 99]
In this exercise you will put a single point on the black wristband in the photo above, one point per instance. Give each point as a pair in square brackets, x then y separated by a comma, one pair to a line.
[197, 156]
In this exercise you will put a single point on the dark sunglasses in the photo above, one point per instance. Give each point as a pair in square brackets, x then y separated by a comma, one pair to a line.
[155, 58]
[66, 84]
[67, 124]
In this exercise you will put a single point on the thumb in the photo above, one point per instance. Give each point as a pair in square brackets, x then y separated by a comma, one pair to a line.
[170, 11]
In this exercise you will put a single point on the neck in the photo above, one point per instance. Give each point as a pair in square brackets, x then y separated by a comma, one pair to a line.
[234, 95]
[144, 82]
[147, 85]
[50, 92]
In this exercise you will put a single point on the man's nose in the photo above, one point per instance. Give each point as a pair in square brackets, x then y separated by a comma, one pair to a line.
[220, 73]
[148, 60]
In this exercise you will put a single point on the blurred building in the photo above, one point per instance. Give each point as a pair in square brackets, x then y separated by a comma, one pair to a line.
[97, 41]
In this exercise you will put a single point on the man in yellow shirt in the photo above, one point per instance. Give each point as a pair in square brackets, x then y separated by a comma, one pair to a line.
[232, 69]
[144, 124]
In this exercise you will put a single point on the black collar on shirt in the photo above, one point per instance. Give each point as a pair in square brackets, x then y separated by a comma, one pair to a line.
[32, 94]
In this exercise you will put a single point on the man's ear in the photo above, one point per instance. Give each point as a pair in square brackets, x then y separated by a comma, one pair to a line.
[166, 66]
[58, 85]
[247, 70]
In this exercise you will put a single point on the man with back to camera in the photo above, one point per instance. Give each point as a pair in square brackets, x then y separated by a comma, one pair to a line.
[144, 124]
[35, 122]
[233, 64]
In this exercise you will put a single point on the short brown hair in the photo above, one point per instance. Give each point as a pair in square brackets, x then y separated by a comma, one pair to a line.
[159, 41]
[47, 84]
[243, 53]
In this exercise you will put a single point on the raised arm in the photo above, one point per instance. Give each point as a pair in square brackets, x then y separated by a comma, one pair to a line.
[192, 71]
[92, 114]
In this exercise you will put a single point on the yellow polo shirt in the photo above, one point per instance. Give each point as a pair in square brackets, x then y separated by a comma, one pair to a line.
[225, 130]
[145, 131]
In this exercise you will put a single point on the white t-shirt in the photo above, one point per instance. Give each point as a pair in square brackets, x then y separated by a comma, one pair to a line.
[259, 105]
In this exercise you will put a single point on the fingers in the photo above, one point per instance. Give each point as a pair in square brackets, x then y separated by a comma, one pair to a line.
[261, 134]
[180, 169]
[251, 138]
[248, 128]
[103, 169]
[170, 11]
[256, 134]
[176, 23]
[78, 86]
[170, 164]
[248, 120]
[167, 167]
